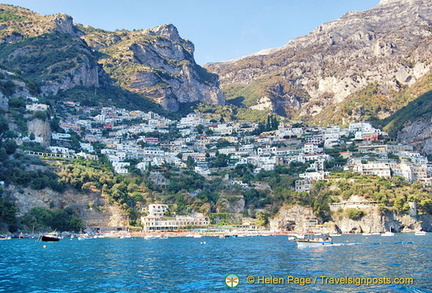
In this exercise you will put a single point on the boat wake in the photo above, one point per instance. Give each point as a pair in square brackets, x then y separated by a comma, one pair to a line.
[358, 243]
[390, 243]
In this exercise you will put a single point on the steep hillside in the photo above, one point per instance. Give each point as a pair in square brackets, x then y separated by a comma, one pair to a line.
[47, 49]
[156, 64]
[387, 47]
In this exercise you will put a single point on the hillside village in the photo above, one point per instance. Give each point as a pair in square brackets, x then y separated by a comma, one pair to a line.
[149, 142]
[133, 135]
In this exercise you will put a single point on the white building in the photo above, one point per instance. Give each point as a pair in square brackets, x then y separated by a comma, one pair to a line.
[157, 210]
[192, 120]
[314, 176]
[157, 221]
[121, 167]
[61, 150]
[37, 107]
[381, 169]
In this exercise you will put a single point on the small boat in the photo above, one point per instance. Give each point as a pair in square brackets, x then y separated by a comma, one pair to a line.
[420, 233]
[84, 237]
[51, 237]
[294, 236]
[388, 234]
[5, 238]
[314, 240]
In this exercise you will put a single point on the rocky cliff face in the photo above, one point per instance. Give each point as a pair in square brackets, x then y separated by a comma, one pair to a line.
[156, 63]
[11, 86]
[47, 49]
[159, 64]
[41, 129]
[91, 207]
[417, 133]
[389, 44]
[376, 222]
[296, 218]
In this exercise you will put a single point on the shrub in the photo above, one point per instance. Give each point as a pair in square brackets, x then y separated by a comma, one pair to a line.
[354, 214]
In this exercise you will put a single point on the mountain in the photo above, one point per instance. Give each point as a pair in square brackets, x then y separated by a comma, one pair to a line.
[156, 64]
[354, 68]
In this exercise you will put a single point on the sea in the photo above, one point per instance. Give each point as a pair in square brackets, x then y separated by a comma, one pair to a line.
[355, 263]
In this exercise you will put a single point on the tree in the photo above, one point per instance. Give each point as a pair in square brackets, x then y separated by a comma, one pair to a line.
[4, 125]
[10, 146]
[426, 206]
[190, 162]
[354, 214]
[261, 219]
[200, 128]
[220, 161]
[8, 212]
[3, 154]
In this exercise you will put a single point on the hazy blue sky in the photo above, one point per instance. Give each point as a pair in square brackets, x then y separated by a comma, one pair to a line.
[220, 29]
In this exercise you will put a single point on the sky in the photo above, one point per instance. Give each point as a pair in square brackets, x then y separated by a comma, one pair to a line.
[221, 30]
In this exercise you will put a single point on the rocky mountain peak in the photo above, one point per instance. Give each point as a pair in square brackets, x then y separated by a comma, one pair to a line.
[166, 30]
[156, 63]
[64, 24]
[388, 45]
[385, 2]
[170, 32]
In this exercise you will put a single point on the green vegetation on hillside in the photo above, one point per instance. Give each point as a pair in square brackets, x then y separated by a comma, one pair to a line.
[107, 96]
[245, 96]
[389, 111]
[420, 108]
[10, 16]
[42, 219]
[47, 56]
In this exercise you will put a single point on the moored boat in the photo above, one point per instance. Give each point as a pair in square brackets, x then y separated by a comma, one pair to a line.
[49, 237]
[420, 233]
[388, 233]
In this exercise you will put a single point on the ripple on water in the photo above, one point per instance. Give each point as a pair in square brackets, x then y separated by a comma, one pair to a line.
[185, 265]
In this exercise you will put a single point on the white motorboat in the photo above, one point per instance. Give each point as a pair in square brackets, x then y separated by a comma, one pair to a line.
[314, 240]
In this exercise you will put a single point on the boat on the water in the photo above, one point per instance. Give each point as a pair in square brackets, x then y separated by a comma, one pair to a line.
[420, 233]
[294, 236]
[49, 237]
[388, 233]
[314, 240]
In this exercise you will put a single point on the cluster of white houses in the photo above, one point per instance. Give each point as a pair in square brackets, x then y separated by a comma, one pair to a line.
[265, 151]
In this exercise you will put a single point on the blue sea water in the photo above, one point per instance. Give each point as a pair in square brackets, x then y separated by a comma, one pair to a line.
[202, 264]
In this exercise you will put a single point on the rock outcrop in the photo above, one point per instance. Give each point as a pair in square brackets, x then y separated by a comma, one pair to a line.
[417, 133]
[294, 218]
[159, 64]
[389, 45]
[301, 219]
[91, 207]
[41, 130]
[156, 63]
[376, 222]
